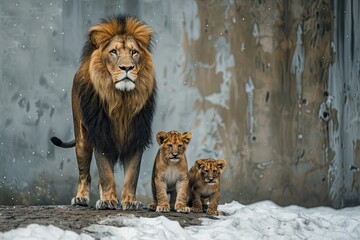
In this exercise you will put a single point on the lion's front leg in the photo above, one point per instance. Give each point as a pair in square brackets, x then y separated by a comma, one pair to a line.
[131, 172]
[182, 196]
[214, 202]
[196, 201]
[163, 204]
[107, 188]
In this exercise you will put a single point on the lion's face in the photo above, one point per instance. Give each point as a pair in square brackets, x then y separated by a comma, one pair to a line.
[173, 144]
[122, 57]
[210, 170]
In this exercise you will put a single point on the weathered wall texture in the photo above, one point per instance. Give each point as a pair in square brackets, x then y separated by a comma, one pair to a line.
[272, 86]
[283, 119]
[343, 103]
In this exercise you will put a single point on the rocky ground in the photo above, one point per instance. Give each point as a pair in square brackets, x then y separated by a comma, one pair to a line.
[75, 218]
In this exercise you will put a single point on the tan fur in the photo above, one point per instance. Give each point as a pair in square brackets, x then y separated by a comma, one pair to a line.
[103, 70]
[97, 71]
[204, 185]
[170, 173]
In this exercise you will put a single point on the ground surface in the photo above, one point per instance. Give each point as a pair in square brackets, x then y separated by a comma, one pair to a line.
[75, 218]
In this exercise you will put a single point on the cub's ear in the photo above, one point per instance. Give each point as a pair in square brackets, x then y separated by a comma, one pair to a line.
[199, 164]
[160, 137]
[186, 137]
[221, 164]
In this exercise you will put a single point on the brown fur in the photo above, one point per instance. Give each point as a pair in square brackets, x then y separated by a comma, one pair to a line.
[170, 173]
[204, 185]
[104, 36]
[114, 121]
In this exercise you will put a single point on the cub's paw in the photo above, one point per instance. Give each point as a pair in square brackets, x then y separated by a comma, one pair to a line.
[106, 204]
[214, 212]
[131, 205]
[152, 206]
[80, 201]
[163, 208]
[196, 210]
[183, 209]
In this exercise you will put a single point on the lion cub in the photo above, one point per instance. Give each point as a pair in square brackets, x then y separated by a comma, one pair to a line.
[169, 174]
[204, 183]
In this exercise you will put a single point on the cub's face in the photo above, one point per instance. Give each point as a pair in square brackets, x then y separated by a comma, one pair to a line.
[210, 170]
[122, 58]
[173, 144]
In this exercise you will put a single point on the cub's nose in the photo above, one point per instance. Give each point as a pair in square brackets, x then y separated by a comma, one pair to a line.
[126, 68]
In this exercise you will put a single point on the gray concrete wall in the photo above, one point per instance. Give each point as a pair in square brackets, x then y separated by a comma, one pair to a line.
[271, 86]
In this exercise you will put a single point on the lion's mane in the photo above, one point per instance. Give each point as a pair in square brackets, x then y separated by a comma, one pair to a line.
[118, 122]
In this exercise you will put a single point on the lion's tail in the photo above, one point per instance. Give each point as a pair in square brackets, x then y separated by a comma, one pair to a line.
[58, 142]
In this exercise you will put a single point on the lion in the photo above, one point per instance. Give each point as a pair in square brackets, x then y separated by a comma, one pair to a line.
[204, 185]
[169, 174]
[113, 103]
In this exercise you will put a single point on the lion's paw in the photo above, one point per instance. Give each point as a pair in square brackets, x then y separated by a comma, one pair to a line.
[214, 212]
[196, 210]
[80, 201]
[131, 205]
[163, 208]
[152, 206]
[183, 209]
[107, 204]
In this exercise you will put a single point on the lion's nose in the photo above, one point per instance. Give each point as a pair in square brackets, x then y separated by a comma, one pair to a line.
[126, 68]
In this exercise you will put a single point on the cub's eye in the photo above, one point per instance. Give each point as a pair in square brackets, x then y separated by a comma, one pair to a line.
[113, 52]
[215, 171]
[169, 145]
[134, 52]
[206, 170]
[180, 146]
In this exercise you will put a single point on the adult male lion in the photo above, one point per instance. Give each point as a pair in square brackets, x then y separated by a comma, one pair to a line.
[113, 102]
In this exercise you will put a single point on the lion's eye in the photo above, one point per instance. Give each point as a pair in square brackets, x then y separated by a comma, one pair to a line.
[134, 52]
[206, 170]
[113, 52]
[215, 171]
[169, 146]
[180, 146]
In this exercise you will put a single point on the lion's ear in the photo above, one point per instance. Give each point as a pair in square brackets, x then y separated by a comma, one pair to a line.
[160, 137]
[221, 164]
[139, 31]
[199, 164]
[98, 37]
[103, 32]
[186, 137]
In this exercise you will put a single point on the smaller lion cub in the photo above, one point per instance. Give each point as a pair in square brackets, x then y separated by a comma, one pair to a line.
[204, 183]
[169, 174]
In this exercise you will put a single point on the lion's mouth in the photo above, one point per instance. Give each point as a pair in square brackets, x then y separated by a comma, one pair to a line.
[174, 159]
[210, 182]
[125, 84]
[125, 79]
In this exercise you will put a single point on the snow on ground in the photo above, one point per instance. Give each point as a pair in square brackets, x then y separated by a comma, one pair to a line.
[263, 220]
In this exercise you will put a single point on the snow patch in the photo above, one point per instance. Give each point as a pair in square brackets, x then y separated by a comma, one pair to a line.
[40, 232]
[263, 220]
